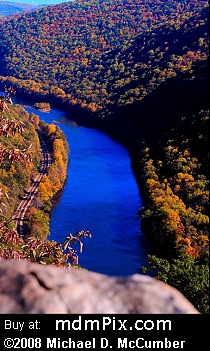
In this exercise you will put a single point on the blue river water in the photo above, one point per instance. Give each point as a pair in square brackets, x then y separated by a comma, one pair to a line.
[100, 195]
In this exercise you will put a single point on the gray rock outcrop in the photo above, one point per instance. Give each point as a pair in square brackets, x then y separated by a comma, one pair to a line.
[27, 287]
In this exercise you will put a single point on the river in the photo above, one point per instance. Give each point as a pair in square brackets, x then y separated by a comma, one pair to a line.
[100, 195]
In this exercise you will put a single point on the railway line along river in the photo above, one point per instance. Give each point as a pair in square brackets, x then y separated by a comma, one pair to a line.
[100, 195]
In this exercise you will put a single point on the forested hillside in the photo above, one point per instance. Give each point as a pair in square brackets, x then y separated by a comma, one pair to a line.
[20, 158]
[71, 39]
[139, 70]
[15, 177]
[20, 162]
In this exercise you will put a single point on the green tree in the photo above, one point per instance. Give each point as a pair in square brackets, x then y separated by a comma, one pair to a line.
[189, 275]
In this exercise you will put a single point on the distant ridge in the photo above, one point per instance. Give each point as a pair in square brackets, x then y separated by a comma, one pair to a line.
[8, 8]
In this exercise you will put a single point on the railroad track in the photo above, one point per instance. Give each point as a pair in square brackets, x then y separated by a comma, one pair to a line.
[26, 201]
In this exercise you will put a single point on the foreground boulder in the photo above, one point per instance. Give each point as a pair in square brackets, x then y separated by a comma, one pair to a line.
[27, 287]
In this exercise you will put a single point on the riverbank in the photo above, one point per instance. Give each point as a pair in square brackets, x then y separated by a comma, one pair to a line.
[51, 183]
[20, 160]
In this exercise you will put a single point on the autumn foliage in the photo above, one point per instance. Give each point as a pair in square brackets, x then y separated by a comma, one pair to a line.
[85, 68]
[175, 181]
[135, 68]
[22, 164]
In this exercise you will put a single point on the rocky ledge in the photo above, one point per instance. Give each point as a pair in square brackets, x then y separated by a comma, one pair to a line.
[27, 287]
